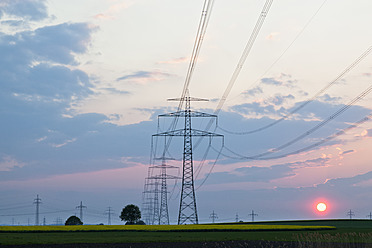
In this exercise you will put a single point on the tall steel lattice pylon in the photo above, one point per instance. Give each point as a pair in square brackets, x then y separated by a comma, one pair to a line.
[188, 209]
[156, 212]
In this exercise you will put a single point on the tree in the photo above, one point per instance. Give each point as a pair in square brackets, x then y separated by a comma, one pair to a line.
[73, 220]
[131, 214]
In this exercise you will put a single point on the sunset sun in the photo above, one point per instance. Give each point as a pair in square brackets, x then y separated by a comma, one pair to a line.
[321, 207]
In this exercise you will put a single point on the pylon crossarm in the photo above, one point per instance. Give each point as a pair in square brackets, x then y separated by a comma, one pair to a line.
[192, 132]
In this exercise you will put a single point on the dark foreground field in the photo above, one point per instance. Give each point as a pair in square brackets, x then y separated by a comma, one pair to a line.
[349, 234]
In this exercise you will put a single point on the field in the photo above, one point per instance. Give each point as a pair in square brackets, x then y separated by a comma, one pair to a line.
[353, 233]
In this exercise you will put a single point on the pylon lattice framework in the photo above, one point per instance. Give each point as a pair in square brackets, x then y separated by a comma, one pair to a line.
[188, 207]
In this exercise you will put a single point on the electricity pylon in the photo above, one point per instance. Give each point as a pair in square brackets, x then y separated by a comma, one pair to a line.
[160, 209]
[213, 216]
[37, 201]
[350, 214]
[188, 210]
[252, 215]
[81, 210]
[109, 212]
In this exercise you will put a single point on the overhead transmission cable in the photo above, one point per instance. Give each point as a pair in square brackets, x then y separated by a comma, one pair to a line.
[202, 28]
[240, 64]
[329, 138]
[310, 131]
[290, 45]
[321, 91]
[244, 56]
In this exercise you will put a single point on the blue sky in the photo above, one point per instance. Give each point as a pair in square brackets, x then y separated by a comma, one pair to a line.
[82, 88]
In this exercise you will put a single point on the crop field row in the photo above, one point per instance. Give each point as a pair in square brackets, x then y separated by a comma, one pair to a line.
[159, 228]
[320, 232]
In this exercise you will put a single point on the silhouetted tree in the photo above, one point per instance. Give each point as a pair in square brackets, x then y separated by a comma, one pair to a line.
[131, 214]
[73, 220]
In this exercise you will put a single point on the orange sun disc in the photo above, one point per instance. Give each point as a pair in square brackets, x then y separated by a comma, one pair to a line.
[321, 207]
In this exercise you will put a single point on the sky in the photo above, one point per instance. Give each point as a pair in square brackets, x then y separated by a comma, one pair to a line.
[83, 82]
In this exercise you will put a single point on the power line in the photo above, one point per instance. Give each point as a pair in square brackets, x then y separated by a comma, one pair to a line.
[240, 64]
[321, 91]
[333, 136]
[310, 131]
[245, 54]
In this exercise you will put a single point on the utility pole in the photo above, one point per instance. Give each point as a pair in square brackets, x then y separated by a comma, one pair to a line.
[370, 215]
[81, 210]
[236, 217]
[350, 214]
[252, 215]
[109, 212]
[37, 201]
[44, 221]
[213, 216]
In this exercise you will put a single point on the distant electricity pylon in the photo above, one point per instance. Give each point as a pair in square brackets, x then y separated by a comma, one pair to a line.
[236, 217]
[252, 215]
[80, 207]
[37, 201]
[213, 216]
[109, 212]
[370, 215]
[350, 214]
[156, 212]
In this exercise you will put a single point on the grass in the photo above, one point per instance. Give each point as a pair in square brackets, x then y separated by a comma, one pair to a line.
[352, 231]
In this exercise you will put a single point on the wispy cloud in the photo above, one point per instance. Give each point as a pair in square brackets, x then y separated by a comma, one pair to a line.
[282, 79]
[64, 143]
[7, 163]
[144, 77]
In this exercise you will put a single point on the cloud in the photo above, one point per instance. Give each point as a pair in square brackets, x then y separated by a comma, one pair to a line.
[34, 10]
[37, 65]
[346, 152]
[143, 77]
[348, 182]
[8, 163]
[264, 174]
[279, 99]
[328, 98]
[252, 92]
[283, 79]
[251, 174]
